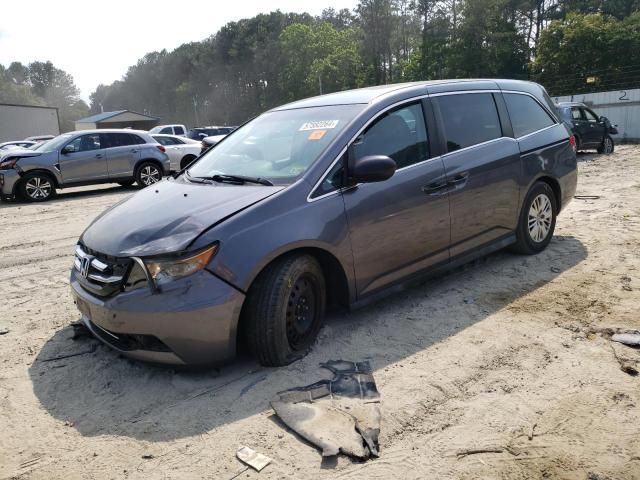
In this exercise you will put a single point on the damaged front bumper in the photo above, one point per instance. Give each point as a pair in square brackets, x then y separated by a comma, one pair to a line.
[8, 181]
[192, 321]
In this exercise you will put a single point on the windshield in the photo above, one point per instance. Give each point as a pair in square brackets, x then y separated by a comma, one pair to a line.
[53, 144]
[278, 146]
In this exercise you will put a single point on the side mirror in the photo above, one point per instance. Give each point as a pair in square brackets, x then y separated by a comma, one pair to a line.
[604, 119]
[373, 168]
[68, 149]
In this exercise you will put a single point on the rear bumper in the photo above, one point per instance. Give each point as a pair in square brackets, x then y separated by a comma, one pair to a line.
[192, 321]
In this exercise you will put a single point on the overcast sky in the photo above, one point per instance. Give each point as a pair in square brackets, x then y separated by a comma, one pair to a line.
[96, 41]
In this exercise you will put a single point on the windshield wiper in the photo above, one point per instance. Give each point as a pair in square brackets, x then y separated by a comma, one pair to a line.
[237, 179]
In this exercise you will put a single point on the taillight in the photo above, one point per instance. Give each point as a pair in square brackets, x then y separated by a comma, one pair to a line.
[161, 148]
[573, 144]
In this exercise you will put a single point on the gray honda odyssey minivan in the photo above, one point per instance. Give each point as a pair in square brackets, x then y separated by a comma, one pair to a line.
[332, 200]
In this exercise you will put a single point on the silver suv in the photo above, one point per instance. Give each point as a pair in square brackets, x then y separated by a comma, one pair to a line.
[82, 158]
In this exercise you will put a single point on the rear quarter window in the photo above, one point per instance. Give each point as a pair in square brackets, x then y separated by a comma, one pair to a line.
[527, 116]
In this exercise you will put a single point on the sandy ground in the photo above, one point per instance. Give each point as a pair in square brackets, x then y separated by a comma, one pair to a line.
[497, 355]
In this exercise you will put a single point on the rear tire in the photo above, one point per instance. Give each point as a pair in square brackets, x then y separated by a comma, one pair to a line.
[537, 220]
[148, 173]
[607, 146]
[186, 161]
[284, 311]
[37, 187]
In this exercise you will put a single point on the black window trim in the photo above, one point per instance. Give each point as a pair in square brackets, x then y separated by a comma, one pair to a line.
[440, 125]
[429, 122]
[343, 151]
[546, 110]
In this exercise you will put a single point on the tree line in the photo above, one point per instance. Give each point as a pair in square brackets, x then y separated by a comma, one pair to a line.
[41, 83]
[254, 64]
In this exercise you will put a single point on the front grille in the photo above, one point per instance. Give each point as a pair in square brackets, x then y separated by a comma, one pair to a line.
[102, 275]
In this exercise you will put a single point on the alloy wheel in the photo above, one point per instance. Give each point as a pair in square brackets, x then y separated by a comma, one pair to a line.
[38, 188]
[540, 218]
[608, 145]
[149, 175]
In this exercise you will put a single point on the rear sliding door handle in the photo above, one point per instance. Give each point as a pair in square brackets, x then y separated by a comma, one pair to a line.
[434, 188]
[458, 179]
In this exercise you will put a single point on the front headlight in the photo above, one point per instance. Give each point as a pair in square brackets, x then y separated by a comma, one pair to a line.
[9, 163]
[163, 270]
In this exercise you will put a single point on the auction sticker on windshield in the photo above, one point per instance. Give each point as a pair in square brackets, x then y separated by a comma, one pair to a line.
[319, 125]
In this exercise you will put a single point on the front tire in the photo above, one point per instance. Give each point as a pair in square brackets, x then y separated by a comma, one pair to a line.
[148, 173]
[537, 220]
[607, 146]
[37, 187]
[284, 311]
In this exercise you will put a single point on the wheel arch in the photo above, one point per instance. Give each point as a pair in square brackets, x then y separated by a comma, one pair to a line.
[555, 186]
[43, 171]
[336, 281]
[189, 157]
[145, 160]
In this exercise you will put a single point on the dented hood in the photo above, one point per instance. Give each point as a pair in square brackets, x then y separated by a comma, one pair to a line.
[167, 217]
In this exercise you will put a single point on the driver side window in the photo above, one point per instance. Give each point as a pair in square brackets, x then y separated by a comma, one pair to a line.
[591, 117]
[85, 143]
[400, 134]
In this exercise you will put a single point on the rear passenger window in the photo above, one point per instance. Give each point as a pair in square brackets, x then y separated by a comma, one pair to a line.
[400, 134]
[576, 114]
[468, 119]
[527, 116]
[166, 130]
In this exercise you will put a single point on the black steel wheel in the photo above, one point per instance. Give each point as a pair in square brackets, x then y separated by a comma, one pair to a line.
[284, 310]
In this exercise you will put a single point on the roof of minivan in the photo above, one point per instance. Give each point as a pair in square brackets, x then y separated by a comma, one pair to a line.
[369, 94]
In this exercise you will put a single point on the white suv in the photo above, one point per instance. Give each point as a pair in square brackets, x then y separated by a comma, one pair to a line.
[179, 130]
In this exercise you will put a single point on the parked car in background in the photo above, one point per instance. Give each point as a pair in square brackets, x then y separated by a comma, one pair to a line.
[16, 144]
[199, 133]
[179, 130]
[333, 200]
[181, 150]
[589, 130]
[83, 158]
[208, 142]
[39, 138]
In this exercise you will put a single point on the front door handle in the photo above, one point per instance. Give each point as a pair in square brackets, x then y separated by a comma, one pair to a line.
[98, 155]
[134, 150]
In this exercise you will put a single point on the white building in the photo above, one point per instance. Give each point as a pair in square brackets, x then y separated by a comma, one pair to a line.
[18, 122]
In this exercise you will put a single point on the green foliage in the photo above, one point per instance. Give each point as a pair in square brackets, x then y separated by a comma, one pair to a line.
[41, 83]
[581, 52]
[254, 64]
[330, 60]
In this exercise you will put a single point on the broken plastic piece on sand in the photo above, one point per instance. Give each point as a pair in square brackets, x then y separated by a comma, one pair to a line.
[340, 415]
[252, 458]
[631, 339]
